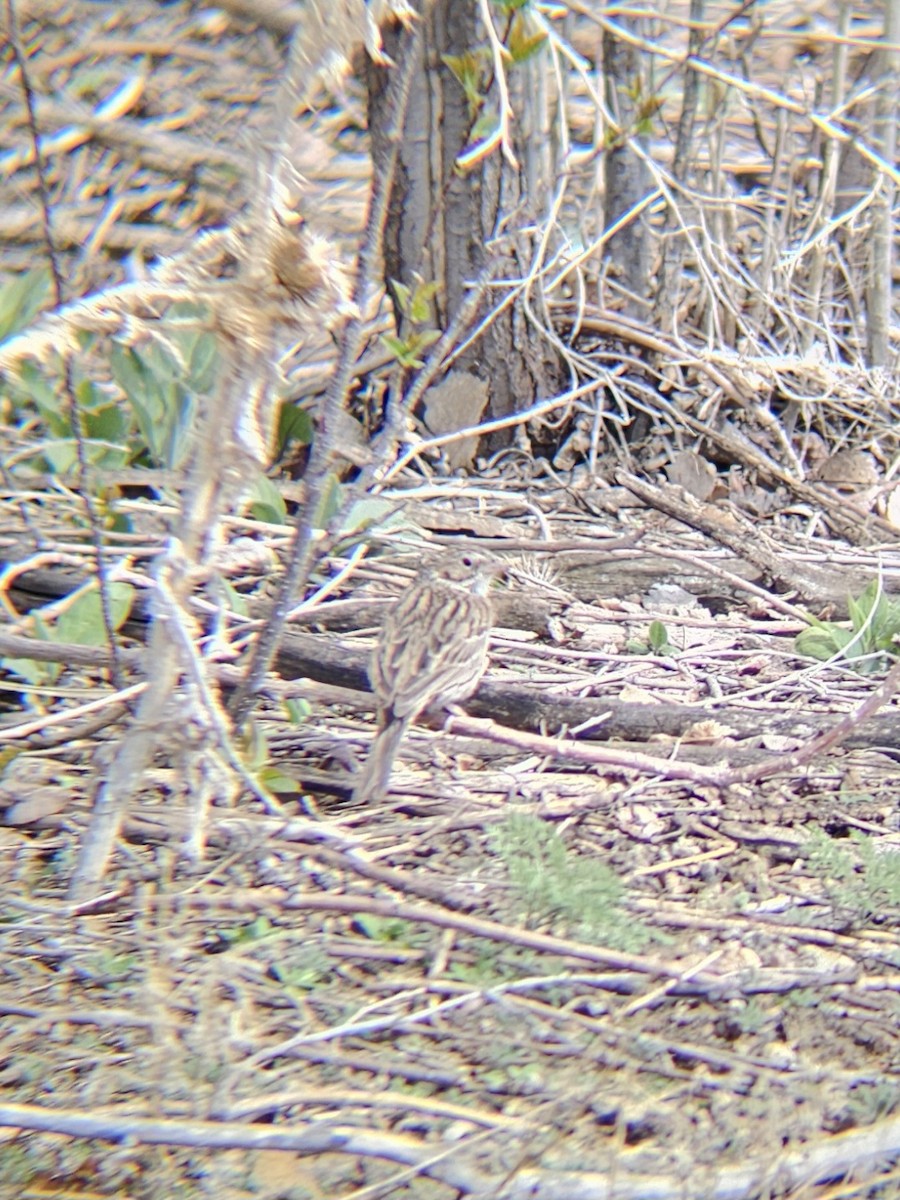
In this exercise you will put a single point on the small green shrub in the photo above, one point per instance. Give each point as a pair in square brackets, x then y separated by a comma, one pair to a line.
[80, 622]
[554, 886]
[857, 876]
[874, 628]
[134, 404]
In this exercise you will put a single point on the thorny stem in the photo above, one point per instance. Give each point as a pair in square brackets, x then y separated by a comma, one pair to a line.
[325, 451]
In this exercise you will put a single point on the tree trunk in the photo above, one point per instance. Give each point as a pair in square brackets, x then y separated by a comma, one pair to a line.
[626, 176]
[447, 226]
[879, 278]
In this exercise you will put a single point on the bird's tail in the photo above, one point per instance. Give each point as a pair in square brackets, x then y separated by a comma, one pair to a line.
[375, 773]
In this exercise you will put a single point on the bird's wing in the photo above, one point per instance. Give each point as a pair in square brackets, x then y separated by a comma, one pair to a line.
[435, 657]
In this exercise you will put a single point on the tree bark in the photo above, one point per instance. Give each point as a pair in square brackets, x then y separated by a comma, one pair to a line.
[449, 226]
[626, 176]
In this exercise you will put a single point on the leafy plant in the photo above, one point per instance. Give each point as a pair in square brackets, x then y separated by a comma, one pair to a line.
[657, 641]
[470, 71]
[162, 379]
[311, 969]
[266, 503]
[869, 1102]
[487, 968]
[521, 43]
[874, 628]
[248, 933]
[21, 298]
[553, 885]
[415, 305]
[389, 930]
[858, 876]
[80, 622]
[104, 425]
[297, 710]
[143, 413]
[294, 425]
[256, 757]
[751, 1017]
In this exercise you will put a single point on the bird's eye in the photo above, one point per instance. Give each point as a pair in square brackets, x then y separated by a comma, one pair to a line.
[467, 560]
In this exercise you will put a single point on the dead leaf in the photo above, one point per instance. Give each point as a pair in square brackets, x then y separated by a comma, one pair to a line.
[848, 469]
[708, 733]
[43, 802]
[457, 402]
[691, 471]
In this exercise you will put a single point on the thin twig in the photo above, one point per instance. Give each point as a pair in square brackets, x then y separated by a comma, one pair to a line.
[77, 419]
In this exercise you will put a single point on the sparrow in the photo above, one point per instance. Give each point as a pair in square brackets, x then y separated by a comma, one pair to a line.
[431, 653]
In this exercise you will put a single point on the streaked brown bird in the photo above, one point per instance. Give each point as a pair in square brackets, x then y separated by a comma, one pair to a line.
[431, 653]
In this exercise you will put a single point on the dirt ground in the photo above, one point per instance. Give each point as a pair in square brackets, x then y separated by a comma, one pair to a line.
[663, 960]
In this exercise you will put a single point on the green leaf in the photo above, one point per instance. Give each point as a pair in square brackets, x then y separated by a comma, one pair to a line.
[91, 395]
[278, 782]
[44, 393]
[403, 293]
[294, 425]
[302, 978]
[60, 456]
[875, 621]
[164, 361]
[406, 351]
[860, 609]
[420, 306]
[128, 369]
[237, 601]
[466, 69]
[332, 500]
[395, 346]
[369, 511]
[82, 621]
[254, 746]
[38, 674]
[189, 312]
[21, 299]
[267, 503]
[484, 129]
[384, 929]
[521, 44]
[203, 364]
[102, 418]
[107, 424]
[254, 931]
[297, 711]
[822, 644]
[163, 407]
[659, 638]
[144, 393]
[469, 71]
[424, 338]
[178, 428]
[646, 125]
